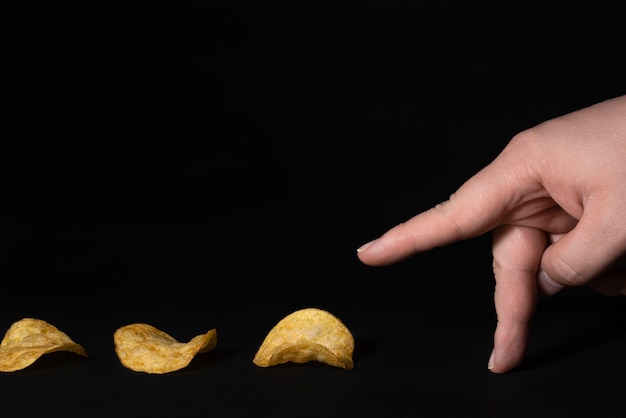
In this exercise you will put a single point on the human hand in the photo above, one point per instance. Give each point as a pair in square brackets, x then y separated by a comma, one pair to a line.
[555, 199]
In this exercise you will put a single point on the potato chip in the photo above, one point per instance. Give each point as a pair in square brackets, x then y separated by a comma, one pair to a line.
[309, 334]
[144, 348]
[28, 339]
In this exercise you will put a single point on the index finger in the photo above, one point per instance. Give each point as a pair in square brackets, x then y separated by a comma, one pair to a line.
[476, 207]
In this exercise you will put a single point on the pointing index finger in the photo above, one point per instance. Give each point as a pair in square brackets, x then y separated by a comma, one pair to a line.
[475, 208]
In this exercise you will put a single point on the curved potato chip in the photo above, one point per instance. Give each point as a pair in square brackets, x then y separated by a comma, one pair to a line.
[144, 348]
[309, 334]
[28, 339]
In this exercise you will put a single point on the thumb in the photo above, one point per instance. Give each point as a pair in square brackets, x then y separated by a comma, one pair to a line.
[584, 253]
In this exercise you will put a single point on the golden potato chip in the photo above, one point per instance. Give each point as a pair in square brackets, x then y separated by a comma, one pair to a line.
[28, 339]
[144, 348]
[309, 334]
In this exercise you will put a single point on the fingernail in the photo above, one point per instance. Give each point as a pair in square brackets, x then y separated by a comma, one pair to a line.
[364, 246]
[547, 284]
[547, 279]
[490, 364]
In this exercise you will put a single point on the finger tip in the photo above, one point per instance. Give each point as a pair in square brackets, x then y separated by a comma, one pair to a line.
[364, 254]
[503, 362]
[363, 247]
[547, 285]
[497, 368]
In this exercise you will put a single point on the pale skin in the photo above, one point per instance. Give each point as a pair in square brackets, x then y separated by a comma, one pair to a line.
[555, 201]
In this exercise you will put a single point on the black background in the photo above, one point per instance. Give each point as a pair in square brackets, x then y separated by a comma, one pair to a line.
[200, 165]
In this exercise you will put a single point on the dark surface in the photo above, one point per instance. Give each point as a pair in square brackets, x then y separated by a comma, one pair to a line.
[217, 167]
